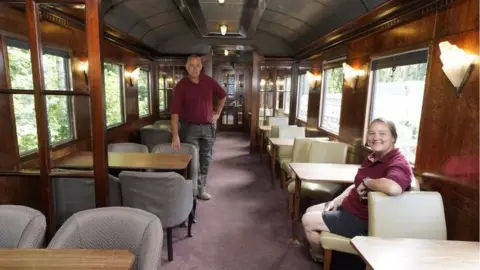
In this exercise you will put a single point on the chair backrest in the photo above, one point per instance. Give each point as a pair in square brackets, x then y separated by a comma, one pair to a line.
[153, 136]
[414, 214]
[127, 148]
[164, 194]
[71, 195]
[291, 132]
[21, 227]
[328, 152]
[301, 148]
[278, 121]
[185, 148]
[136, 230]
[163, 122]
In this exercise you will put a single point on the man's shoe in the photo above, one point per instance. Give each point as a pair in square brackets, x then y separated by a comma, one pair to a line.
[316, 257]
[204, 196]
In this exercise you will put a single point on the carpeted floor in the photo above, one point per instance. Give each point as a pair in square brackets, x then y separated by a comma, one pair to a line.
[245, 225]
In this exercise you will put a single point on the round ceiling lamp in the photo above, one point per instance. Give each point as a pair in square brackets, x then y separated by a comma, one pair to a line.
[225, 52]
[221, 1]
[223, 29]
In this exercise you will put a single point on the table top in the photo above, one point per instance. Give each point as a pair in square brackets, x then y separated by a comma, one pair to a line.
[265, 128]
[412, 254]
[119, 160]
[77, 259]
[325, 172]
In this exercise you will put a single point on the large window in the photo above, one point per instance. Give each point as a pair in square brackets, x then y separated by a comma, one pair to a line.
[332, 99]
[398, 85]
[113, 74]
[144, 93]
[56, 70]
[302, 102]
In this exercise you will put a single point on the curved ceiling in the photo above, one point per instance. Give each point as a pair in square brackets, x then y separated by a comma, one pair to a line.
[272, 27]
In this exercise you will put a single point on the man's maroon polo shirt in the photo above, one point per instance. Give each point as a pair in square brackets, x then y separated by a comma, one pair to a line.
[393, 166]
[194, 102]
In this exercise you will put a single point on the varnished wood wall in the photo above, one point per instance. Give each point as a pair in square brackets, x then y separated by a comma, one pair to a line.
[449, 125]
[13, 24]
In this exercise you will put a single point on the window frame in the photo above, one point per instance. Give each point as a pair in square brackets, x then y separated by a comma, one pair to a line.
[122, 93]
[19, 43]
[371, 83]
[329, 64]
[299, 96]
[149, 94]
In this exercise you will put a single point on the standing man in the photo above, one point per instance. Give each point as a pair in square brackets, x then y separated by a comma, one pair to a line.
[193, 107]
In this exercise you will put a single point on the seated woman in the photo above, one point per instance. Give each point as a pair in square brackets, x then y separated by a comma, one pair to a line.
[385, 170]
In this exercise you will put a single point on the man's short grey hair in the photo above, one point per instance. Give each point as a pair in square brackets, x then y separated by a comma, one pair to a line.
[193, 56]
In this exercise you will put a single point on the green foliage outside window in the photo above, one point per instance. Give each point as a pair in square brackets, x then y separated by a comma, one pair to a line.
[143, 93]
[335, 80]
[113, 93]
[58, 107]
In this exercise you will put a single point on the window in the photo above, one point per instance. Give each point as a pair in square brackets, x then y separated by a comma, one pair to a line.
[283, 94]
[332, 99]
[286, 96]
[113, 94]
[302, 102]
[144, 93]
[398, 84]
[56, 70]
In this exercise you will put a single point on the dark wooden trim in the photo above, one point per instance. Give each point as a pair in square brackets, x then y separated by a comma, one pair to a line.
[50, 1]
[40, 113]
[94, 29]
[66, 93]
[386, 16]
[16, 92]
[118, 38]
[292, 114]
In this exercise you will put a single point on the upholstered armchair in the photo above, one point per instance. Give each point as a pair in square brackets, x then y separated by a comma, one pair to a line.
[71, 195]
[21, 227]
[300, 154]
[151, 136]
[127, 148]
[322, 152]
[414, 214]
[132, 229]
[164, 194]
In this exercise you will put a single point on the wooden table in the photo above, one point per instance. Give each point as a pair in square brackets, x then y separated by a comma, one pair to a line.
[318, 172]
[77, 259]
[84, 160]
[413, 254]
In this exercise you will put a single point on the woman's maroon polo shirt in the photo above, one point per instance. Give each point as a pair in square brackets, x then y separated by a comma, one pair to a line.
[194, 102]
[393, 166]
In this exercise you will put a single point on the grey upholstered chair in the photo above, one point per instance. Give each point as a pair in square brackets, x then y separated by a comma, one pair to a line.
[76, 194]
[136, 230]
[21, 227]
[151, 136]
[193, 166]
[164, 194]
[127, 148]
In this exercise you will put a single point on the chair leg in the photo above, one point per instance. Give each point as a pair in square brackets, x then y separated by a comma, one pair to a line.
[290, 204]
[190, 221]
[194, 210]
[327, 259]
[283, 178]
[170, 244]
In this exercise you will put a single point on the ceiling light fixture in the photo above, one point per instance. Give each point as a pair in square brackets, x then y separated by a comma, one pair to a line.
[221, 1]
[223, 29]
[225, 52]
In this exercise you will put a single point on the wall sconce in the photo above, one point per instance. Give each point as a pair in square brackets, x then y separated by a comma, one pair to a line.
[351, 75]
[313, 80]
[83, 66]
[132, 75]
[262, 83]
[221, 1]
[225, 52]
[457, 64]
[223, 29]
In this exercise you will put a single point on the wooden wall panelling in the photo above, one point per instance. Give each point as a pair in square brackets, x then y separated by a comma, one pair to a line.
[21, 191]
[254, 94]
[292, 116]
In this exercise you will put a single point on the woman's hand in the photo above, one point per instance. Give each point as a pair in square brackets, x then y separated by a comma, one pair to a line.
[333, 205]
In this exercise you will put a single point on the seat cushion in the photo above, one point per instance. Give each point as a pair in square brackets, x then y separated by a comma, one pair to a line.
[336, 242]
[323, 191]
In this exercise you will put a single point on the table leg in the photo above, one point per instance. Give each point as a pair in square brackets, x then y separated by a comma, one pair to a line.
[296, 209]
[272, 163]
[261, 145]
